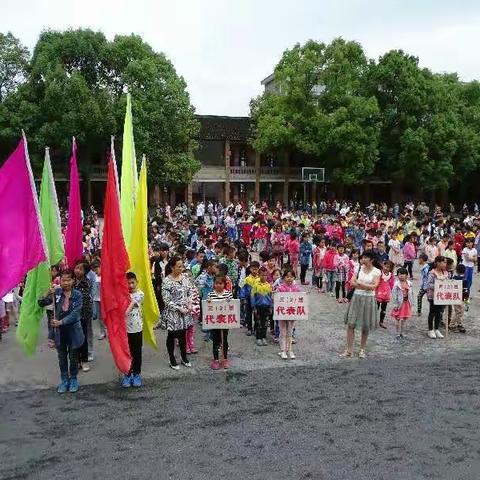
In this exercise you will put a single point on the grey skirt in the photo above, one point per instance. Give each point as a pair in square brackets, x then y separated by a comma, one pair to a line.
[362, 313]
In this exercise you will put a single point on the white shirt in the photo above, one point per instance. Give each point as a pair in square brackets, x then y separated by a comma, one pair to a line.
[468, 252]
[96, 295]
[368, 279]
[8, 298]
[135, 317]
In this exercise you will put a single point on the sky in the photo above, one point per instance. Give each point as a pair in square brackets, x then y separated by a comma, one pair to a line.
[224, 48]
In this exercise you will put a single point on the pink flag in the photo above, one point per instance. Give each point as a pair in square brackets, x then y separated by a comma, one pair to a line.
[22, 244]
[74, 233]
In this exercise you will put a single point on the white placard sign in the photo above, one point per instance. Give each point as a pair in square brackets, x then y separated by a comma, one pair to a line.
[224, 314]
[290, 306]
[448, 292]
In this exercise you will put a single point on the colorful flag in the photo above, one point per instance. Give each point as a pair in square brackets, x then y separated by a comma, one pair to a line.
[22, 244]
[114, 295]
[74, 233]
[128, 181]
[38, 279]
[139, 260]
[115, 171]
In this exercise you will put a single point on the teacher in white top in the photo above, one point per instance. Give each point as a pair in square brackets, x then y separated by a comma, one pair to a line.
[362, 311]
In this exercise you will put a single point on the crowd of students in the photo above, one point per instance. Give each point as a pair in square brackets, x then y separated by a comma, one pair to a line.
[362, 257]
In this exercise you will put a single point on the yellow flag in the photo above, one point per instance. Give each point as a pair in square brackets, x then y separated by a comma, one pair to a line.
[128, 181]
[139, 261]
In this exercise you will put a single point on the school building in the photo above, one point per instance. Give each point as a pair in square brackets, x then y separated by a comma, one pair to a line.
[231, 170]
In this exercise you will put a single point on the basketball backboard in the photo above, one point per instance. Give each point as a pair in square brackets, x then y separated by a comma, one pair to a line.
[311, 174]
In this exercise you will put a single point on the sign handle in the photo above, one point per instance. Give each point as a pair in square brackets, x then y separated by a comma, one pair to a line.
[221, 344]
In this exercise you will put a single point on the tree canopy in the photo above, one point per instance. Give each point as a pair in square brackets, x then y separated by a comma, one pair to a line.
[76, 85]
[360, 117]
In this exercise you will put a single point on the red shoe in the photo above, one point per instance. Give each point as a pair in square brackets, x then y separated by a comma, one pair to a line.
[226, 364]
[215, 365]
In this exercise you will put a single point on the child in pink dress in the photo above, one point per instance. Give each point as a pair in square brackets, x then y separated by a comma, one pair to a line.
[402, 301]
[317, 258]
[342, 264]
[383, 292]
[293, 249]
[353, 269]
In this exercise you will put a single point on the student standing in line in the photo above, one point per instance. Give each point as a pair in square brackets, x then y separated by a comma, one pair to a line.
[65, 332]
[134, 318]
[219, 294]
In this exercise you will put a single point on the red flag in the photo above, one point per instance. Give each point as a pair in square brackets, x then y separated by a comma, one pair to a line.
[114, 294]
[74, 233]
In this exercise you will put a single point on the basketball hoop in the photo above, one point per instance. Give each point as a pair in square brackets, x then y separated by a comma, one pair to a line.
[313, 175]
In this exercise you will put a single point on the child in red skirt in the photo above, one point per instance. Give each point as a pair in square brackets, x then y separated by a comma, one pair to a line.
[383, 293]
[402, 301]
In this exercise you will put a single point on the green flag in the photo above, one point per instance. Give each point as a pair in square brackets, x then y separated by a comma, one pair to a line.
[129, 179]
[38, 279]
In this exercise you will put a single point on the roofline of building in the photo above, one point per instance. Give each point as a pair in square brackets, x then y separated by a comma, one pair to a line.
[226, 117]
[268, 79]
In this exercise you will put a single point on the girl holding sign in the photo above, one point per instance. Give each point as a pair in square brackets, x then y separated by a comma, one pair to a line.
[219, 336]
[286, 326]
[438, 272]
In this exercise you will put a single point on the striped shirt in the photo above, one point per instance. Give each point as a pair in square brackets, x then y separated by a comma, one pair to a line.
[218, 297]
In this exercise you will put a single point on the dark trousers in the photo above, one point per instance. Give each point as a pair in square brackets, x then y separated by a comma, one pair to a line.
[409, 266]
[135, 341]
[421, 293]
[383, 310]
[434, 315]
[217, 341]
[339, 285]
[171, 336]
[67, 354]
[248, 316]
[317, 281]
[83, 350]
[303, 272]
[261, 319]
[243, 303]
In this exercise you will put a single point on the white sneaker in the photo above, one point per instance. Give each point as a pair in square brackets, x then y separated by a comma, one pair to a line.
[283, 355]
[174, 367]
[292, 355]
[431, 334]
[90, 357]
[438, 334]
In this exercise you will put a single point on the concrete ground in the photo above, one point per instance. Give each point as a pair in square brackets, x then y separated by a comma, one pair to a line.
[409, 411]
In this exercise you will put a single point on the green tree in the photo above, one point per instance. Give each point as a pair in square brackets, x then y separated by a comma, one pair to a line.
[428, 138]
[320, 106]
[164, 123]
[76, 85]
[13, 64]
